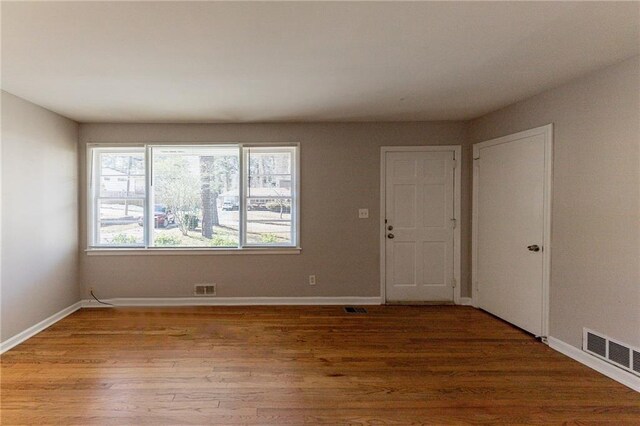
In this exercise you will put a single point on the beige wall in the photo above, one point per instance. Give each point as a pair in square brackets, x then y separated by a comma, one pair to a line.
[40, 214]
[595, 271]
[340, 172]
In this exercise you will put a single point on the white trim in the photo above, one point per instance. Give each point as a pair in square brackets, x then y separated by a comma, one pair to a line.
[457, 231]
[615, 373]
[546, 238]
[90, 210]
[547, 131]
[149, 210]
[243, 189]
[457, 197]
[149, 197]
[188, 251]
[232, 301]
[35, 329]
[474, 229]
[466, 301]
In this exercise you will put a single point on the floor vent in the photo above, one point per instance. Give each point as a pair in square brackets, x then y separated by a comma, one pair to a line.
[612, 351]
[355, 310]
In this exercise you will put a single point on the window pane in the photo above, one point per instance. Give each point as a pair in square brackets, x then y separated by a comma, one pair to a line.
[121, 173]
[271, 224]
[129, 161]
[195, 196]
[120, 222]
[122, 186]
[269, 197]
[269, 171]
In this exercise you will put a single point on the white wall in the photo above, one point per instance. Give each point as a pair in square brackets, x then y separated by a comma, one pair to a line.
[595, 271]
[340, 173]
[40, 214]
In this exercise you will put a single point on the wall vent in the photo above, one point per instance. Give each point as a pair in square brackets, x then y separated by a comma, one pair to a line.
[597, 345]
[613, 351]
[636, 362]
[204, 290]
[620, 354]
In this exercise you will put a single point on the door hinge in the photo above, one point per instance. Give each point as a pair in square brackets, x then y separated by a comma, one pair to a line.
[455, 163]
[454, 283]
[454, 223]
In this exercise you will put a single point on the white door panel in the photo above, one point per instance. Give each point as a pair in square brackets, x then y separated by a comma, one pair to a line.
[419, 208]
[510, 217]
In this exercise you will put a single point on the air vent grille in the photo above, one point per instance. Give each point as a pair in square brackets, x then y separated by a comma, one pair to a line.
[636, 361]
[619, 354]
[355, 310]
[204, 289]
[615, 352]
[596, 344]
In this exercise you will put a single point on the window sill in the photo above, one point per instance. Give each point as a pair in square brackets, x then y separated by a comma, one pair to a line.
[190, 251]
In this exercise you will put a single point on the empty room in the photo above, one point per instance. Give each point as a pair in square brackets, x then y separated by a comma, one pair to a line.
[345, 213]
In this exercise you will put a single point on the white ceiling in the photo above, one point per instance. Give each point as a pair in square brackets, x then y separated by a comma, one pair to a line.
[306, 61]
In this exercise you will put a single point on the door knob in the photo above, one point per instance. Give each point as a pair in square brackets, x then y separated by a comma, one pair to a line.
[390, 228]
[390, 236]
[534, 247]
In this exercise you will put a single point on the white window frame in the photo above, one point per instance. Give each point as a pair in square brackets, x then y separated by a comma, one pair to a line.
[93, 176]
[295, 194]
[147, 249]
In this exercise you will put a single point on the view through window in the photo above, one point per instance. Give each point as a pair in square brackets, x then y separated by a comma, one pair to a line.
[119, 197]
[268, 196]
[205, 196]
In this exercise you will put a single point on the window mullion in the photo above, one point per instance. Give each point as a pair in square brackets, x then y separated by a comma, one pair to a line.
[148, 190]
[293, 226]
[243, 174]
[96, 202]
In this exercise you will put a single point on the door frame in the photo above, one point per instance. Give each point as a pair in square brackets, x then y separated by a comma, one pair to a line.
[547, 132]
[457, 177]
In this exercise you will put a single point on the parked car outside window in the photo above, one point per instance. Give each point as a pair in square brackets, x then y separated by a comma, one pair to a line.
[162, 215]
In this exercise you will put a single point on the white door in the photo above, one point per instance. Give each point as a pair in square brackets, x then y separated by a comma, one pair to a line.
[419, 234]
[509, 221]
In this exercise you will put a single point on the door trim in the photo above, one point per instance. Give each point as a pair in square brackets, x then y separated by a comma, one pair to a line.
[547, 131]
[457, 178]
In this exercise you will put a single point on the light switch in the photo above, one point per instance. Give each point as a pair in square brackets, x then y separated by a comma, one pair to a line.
[363, 213]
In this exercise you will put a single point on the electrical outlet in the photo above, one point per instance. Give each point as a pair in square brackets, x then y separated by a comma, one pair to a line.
[363, 213]
[312, 280]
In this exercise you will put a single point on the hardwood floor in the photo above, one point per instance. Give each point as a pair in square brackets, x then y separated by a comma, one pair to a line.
[300, 365]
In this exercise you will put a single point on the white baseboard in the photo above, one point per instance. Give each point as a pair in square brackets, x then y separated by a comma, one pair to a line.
[33, 330]
[232, 301]
[466, 301]
[615, 373]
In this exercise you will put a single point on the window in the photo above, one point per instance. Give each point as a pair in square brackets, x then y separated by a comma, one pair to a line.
[189, 185]
[118, 197]
[193, 196]
[268, 197]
